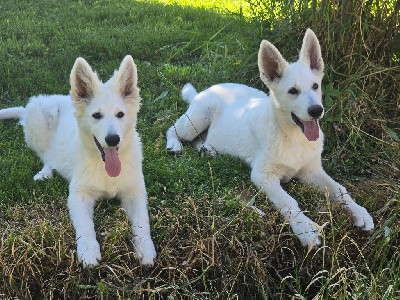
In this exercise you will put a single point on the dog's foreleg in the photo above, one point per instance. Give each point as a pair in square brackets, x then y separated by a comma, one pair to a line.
[81, 209]
[303, 227]
[135, 204]
[318, 178]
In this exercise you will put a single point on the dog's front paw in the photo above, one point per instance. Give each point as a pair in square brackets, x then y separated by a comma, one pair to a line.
[362, 218]
[88, 253]
[145, 250]
[307, 231]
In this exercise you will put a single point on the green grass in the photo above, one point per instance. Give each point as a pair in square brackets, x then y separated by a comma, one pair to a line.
[209, 244]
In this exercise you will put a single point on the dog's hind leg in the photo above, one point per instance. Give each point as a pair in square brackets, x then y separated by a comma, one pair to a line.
[45, 173]
[189, 126]
[202, 146]
[41, 120]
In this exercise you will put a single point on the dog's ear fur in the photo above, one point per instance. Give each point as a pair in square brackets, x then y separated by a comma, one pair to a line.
[84, 82]
[311, 52]
[270, 63]
[126, 80]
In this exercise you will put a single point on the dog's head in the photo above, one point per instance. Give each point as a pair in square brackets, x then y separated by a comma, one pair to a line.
[296, 87]
[106, 112]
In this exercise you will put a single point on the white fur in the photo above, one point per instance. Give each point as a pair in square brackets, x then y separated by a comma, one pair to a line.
[61, 130]
[245, 122]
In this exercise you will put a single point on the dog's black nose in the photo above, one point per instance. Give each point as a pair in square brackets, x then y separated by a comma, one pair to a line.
[112, 140]
[315, 111]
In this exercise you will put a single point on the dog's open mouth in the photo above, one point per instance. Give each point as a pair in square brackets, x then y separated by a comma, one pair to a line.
[309, 128]
[112, 164]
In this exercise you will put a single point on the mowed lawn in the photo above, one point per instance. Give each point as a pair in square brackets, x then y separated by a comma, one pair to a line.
[210, 243]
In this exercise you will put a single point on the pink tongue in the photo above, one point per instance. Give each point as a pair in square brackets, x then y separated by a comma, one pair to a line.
[112, 162]
[311, 130]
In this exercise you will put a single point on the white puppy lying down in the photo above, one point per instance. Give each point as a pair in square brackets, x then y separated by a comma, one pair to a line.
[277, 135]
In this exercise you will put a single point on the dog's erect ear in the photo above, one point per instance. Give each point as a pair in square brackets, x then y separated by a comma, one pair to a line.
[311, 52]
[127, 79]
[270, 63]
[84, 82]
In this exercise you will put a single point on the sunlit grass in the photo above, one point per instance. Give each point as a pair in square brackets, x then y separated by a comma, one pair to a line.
[239, 7]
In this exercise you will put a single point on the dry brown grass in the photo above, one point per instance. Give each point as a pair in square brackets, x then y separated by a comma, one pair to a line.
[204, 251]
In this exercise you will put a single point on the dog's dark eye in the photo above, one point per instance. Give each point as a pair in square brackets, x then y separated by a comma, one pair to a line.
[120, 115]
[97, 115]
[294, 91]
[315, 86]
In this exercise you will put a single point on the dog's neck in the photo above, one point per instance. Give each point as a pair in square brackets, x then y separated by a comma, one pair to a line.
[282, 117]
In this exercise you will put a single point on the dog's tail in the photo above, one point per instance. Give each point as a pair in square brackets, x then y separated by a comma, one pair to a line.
[12, 113]
[188, 92]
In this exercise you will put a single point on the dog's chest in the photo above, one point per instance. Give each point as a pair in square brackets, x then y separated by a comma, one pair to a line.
[287, 157]
[93, 178]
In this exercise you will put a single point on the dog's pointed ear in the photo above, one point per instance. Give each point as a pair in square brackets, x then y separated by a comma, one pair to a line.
[84, 82]
[127, 79]
[270, 63]
[311, 52]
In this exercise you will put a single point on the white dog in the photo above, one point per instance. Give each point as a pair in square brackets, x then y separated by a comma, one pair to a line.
[91, 140]
[277, 135]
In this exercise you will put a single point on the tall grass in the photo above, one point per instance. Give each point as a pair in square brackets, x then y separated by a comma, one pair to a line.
[351, 32]
[361, 47]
